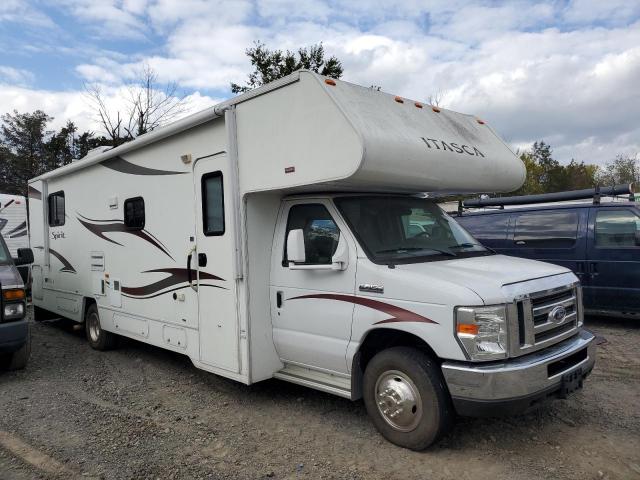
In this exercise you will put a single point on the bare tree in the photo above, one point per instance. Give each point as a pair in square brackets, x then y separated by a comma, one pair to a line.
[147, 107]
[437, 99]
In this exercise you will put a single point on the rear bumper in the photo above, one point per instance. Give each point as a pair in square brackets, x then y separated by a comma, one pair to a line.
[514, 385]
[13, 335]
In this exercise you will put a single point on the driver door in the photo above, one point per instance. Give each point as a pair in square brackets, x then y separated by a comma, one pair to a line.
[311, 314]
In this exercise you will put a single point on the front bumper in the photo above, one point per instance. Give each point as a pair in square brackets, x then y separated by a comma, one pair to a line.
[13, 335]
[510, 386]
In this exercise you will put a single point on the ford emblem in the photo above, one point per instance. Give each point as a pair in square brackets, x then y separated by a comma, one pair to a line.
[557, 315]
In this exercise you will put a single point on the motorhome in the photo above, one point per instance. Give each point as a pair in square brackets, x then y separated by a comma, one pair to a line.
[14, 227]
[282, 234]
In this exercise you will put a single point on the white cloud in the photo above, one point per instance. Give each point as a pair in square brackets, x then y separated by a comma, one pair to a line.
[15, 76]
[567, 73]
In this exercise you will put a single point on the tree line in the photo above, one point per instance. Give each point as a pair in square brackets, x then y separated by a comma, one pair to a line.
[28, 147]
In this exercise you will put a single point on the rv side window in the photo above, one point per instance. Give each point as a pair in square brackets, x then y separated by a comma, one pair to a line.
[546, 229]
[321, 234]
[134, 213]
[56, 209]
[212, 204]
[617, 228]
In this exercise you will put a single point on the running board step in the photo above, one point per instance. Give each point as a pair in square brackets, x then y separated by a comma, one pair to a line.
[326, 382]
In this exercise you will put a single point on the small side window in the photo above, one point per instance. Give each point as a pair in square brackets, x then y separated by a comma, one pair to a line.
[56, 209]
[212, 204]
[546, 229]
[134, 217]
[617, 228]
[321, 234]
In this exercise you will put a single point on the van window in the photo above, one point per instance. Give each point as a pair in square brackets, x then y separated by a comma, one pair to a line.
[546, 229]
[321, 234]
[134, 213]
[486, 227]
[617, 228]
[56, 209]
[212, 204]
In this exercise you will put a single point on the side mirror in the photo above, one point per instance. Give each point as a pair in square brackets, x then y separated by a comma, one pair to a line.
[340, 259]
[295, 247]
[25, 256]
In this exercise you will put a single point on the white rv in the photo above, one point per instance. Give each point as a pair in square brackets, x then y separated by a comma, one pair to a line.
[14, 227]
[280, 234]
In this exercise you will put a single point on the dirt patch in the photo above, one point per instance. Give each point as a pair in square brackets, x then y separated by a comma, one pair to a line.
[143, 412]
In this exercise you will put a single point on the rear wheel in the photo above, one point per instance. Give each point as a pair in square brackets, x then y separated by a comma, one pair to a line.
[98, 338]
[406, 397]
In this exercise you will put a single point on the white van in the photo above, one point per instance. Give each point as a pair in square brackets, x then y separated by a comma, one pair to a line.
[274, 236]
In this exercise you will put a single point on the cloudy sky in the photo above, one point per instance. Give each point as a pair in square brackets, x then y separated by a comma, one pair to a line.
[567, 72]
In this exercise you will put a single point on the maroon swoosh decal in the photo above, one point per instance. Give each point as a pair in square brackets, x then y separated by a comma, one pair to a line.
[66, 266]
[34, 193]
[119, 164]
[397, 314]
[100, 227]
[176, 277]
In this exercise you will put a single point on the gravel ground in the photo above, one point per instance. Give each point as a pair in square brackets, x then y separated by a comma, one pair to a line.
[142, 412]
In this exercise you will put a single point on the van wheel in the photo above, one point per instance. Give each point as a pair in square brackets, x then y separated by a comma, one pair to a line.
[406, 397]
[98, 338]
[18, 359]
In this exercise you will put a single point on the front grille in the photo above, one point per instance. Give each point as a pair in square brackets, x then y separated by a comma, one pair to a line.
[537, 326]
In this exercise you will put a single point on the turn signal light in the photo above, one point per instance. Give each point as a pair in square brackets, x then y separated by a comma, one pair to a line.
[468, 328]
[15, 294]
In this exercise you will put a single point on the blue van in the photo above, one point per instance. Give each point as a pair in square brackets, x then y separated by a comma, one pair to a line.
[600, 242]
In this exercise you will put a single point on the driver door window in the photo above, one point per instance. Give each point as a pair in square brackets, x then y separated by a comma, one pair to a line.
[321, 234]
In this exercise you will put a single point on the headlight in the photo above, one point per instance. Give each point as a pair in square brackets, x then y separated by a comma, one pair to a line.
[13, 311]
[483, 331]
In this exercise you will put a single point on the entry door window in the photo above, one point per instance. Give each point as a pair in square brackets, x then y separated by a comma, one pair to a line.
[617, 228]
[212, 204]
[321, 234]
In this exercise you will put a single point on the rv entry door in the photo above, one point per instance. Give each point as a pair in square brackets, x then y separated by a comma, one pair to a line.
[214, 260]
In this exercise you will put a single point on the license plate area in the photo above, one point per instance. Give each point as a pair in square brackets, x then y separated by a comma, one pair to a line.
[571, 382]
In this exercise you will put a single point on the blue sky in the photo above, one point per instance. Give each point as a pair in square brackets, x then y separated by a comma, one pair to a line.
[567, 71]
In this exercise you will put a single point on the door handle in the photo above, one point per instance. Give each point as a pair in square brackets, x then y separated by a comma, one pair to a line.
[279, 299]
[521, 242]
[202, 259]
[189, 278]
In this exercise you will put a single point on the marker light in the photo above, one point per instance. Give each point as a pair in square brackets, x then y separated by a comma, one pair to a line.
[14, 294]
[329, 81]
[399, 99]
[418, 104]
[435, 109]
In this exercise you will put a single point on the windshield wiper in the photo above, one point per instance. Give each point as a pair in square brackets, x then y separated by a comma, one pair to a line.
[469, 245]
[412, 249]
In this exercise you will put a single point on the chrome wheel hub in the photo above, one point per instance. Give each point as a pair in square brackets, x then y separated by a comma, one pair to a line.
[94, 327]
[398, 400]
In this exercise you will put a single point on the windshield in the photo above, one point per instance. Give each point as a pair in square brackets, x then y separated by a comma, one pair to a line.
[406, 229]
[4, 252]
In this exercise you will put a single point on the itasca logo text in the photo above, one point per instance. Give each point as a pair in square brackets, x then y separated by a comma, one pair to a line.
[454, 147]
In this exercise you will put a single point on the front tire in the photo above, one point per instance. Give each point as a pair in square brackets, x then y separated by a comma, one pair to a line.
[18, 359]
[98, 338]
[406, 397]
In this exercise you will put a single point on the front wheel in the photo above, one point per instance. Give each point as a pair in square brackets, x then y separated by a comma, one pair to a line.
[98, 338]
[406, 397]
[18, 359]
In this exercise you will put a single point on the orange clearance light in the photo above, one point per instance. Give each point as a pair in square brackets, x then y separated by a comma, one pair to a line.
[330, 81]
[15, 294]
[467, 328]
[481, 122]
[399, 99]
[418, 104]
[435, 109]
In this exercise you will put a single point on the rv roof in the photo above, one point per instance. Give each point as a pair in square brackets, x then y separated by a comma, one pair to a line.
[306, 132]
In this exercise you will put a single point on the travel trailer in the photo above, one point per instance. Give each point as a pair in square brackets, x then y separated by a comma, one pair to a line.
[14, 227]
[281, 235]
